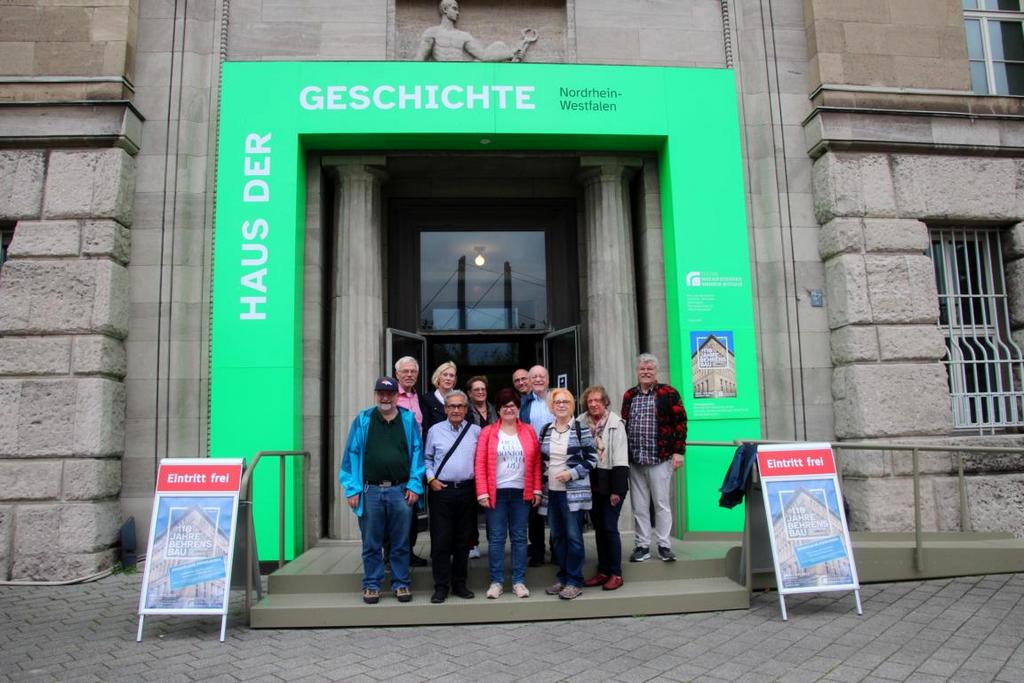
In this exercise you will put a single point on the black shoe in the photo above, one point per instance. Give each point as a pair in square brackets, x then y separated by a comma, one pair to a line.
[536, 562]
[666, 554]
[416, 561]
[439, 596]
[640, 554]
[463, 592]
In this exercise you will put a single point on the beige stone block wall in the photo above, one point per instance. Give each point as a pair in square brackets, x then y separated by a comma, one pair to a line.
[63, 319]
[887, 43]
[889, 381]
[67, 38]
[640, 32]
[879, 487]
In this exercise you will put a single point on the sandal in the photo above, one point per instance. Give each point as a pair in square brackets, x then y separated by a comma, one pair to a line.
[371, 596]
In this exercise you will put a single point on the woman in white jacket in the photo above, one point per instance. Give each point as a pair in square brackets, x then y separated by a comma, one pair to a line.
[609, 483]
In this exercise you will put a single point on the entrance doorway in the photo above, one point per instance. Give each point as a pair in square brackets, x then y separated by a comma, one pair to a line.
[491, 286]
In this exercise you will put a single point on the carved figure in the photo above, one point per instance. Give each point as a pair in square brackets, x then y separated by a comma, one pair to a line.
[446, 43]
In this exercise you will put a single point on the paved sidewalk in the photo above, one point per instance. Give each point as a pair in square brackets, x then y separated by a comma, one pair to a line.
[965, 629]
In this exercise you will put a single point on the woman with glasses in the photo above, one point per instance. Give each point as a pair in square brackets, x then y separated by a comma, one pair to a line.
[481, 411]
[507, 484]
[568, 453]
[610, 482]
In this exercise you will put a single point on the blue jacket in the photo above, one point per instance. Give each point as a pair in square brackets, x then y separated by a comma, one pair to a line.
[351, 473]
[734, 487]
[524, 406]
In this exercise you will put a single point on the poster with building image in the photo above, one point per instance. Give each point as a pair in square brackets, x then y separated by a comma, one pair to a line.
[713, 364]
[191, 538]
[188, 563]
[807, 525]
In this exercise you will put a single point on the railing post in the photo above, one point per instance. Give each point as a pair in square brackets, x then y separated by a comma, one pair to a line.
[280, 516]
[965, 513]
[918, 549]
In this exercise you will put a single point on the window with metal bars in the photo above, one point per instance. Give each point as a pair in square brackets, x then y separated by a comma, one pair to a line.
[6, 235]
[984, 364]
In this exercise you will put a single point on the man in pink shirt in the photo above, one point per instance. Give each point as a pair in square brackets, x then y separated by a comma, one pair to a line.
[407, 372]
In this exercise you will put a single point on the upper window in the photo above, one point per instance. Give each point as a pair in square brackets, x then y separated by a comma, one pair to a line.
[483, 280]
[984, 364]
[995, 46]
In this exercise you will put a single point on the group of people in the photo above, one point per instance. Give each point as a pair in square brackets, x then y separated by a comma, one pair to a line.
[524, 458]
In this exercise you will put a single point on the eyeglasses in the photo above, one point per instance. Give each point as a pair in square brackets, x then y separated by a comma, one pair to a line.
[456, 406]
[510, 406]
[560, 403]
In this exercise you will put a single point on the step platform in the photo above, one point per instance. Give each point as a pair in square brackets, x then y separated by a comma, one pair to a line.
[323, 588]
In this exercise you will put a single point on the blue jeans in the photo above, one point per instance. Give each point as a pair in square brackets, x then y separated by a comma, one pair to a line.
[566, 539]
[386, 515]
[511, 517]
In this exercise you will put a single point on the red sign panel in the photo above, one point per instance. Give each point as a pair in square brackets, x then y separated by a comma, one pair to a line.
[199, 478]
[795, 462]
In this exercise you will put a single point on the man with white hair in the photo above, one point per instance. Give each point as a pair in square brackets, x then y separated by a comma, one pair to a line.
[449, 455]
[535, 411]
[656, 431]
[407, 372]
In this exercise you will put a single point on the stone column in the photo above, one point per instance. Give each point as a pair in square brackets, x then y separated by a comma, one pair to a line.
[357, 304]
[611, 321]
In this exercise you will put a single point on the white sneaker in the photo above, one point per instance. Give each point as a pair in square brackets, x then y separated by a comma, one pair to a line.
[474, 553]
[520, 590]
[494, 591]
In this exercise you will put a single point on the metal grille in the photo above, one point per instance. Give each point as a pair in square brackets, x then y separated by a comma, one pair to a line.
[984, 364]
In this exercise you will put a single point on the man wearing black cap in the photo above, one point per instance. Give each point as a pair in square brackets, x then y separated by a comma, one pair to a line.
[382, 477]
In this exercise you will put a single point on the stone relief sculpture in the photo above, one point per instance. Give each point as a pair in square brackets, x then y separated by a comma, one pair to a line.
[446, 43]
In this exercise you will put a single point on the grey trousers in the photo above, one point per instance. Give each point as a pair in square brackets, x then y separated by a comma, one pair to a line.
[647, 483]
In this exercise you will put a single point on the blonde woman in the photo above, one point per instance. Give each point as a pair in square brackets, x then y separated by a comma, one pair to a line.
[432, 404]
[567, 451]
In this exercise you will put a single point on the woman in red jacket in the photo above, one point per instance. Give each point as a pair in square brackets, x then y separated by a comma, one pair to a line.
[507, 472]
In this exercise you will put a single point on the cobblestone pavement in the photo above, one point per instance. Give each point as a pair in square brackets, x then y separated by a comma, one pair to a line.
[963, 629]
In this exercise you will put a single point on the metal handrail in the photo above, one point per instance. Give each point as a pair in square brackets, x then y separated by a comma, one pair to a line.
[915, 450]
[246, 489]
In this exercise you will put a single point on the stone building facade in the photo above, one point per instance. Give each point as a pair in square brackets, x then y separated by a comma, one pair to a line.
[863, 138]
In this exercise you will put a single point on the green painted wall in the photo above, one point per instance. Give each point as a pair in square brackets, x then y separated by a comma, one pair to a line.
[272, 113]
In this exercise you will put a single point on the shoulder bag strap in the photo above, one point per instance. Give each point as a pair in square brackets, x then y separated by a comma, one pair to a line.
[437, 472]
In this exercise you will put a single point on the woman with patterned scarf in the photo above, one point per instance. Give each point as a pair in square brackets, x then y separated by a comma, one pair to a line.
[568, 454]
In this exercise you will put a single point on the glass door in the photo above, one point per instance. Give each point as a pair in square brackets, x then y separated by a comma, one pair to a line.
[398, 344]
[562, 359]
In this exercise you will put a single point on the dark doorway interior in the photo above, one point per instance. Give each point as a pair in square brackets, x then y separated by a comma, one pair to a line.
[481, 282]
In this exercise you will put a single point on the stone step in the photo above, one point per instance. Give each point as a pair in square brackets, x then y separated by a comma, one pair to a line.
[333, 568]
[346, 608]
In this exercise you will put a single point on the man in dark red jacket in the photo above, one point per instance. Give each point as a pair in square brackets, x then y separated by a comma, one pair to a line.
[656, 430]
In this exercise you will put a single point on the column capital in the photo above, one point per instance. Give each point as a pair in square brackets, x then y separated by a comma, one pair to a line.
[594, 168]
[360, 166]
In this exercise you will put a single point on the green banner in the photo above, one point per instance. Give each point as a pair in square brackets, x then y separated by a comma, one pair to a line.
[272, 113]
